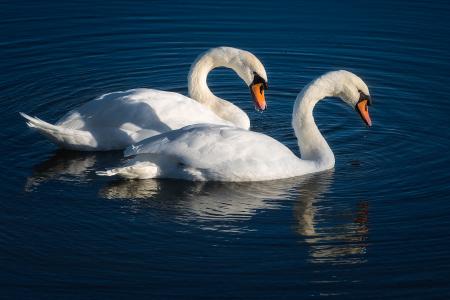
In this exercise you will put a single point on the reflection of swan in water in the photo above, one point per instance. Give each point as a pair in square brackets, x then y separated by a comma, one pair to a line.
[204, 201]
[334, 232]
[330, 239]
[218, 206]
[133, 189]
[66, 165]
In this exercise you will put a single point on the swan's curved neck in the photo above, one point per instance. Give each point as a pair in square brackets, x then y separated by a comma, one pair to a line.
[312, 144]
[198, 87]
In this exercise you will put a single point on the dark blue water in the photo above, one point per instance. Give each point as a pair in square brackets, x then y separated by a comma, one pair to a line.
[377, 226]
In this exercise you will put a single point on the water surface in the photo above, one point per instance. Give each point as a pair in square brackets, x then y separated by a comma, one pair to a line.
[376, 226]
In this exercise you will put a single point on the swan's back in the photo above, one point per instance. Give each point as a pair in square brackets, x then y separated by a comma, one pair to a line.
[144, 108]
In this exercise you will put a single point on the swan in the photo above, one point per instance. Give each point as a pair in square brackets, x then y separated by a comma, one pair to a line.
[223, 153]
[119, 119]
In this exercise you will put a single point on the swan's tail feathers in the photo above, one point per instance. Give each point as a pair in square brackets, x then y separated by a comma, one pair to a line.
[141, 170]
[64, 137]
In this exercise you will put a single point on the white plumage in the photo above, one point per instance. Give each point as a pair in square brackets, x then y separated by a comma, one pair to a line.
[225, 153]
[119, 119]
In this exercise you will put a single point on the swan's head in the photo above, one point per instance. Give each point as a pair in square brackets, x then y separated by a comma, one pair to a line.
[257, 88]
[244, 63]
[253, 73]
[251, 70]
[353, 91]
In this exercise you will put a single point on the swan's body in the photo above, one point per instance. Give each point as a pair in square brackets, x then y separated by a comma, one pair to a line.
[117, 120]
[208, 152]
[225, 153]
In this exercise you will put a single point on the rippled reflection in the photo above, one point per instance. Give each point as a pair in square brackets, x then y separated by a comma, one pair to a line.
[209, 205]
[135, 189]
[337, 237]
[63, 165]
[334, 232]
[66, 165]
[338, 240]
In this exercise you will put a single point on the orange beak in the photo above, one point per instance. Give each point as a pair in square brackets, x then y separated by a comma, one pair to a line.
[257, 91]
[363, 110]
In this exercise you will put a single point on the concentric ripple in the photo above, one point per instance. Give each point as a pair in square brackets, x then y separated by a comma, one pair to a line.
[373, 227]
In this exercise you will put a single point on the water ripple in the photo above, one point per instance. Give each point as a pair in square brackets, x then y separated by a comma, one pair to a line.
[375, 225]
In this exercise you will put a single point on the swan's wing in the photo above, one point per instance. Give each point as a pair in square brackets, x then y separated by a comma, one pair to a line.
[117, 120]
[139, 109]
[220, 149]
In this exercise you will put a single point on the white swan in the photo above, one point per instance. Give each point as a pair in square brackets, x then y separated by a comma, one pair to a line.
[224, 153]
[117, 120]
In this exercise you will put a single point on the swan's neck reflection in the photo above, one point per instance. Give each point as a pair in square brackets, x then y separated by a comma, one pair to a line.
[335, 233]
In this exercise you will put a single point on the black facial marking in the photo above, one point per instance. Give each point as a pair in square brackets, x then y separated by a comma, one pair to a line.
[259, 79]
[363, 97]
